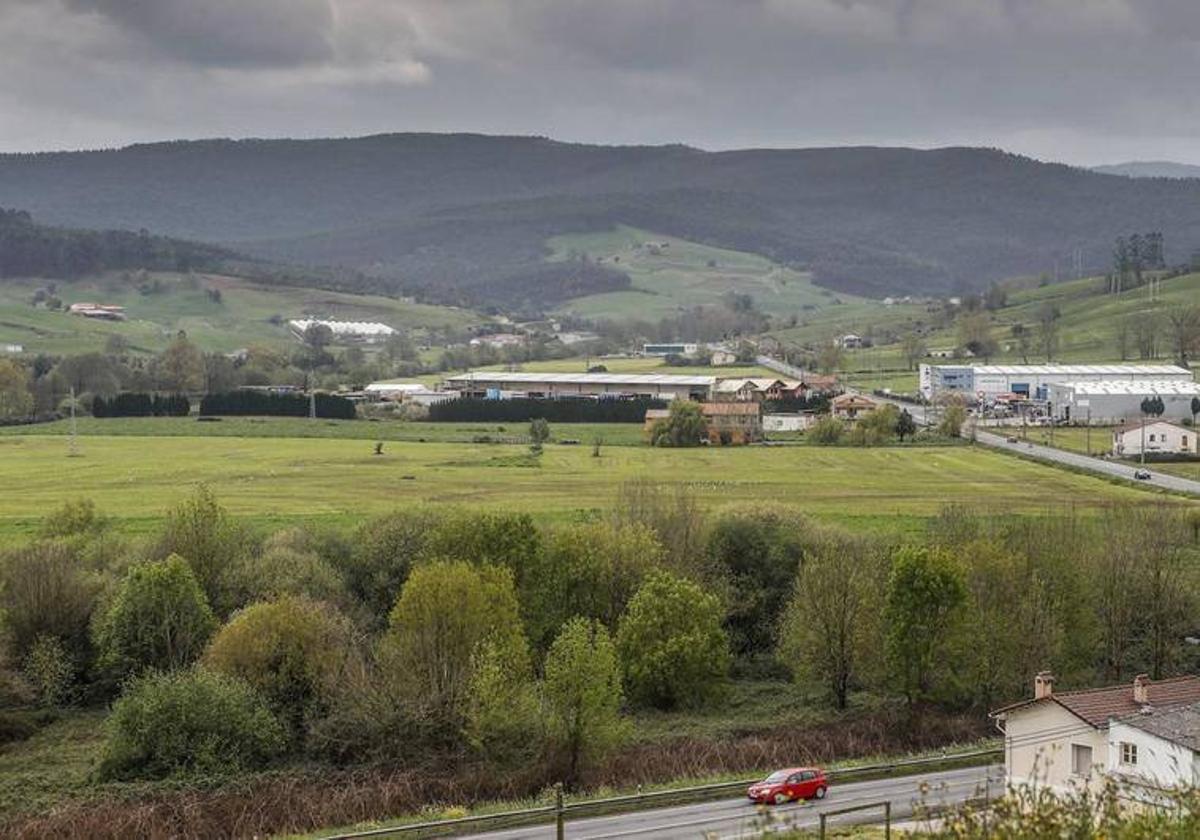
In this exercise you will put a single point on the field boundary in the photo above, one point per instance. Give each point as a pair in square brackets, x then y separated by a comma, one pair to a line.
[562, 810]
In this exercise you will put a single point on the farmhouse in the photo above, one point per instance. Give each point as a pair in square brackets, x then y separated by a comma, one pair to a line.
[1109, 402]
[499, 385]
[849, 406]
[753, 389]
[728, 422]
[368, 332]
[1157, 436]
[101, 311]
[1033, 381]
[850, 341]
[1061, 739]
[1155, 750]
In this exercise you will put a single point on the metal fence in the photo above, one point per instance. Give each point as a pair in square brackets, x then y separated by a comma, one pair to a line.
[561, 810]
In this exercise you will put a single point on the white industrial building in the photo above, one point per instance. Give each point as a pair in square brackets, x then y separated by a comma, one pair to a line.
[1109, 402]
[498, 384]
[987, 382]
[365, 331]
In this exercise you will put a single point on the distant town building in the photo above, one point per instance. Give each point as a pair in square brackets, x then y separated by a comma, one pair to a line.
[670, 349]
[498, 340]
[101, 311]
[368, 332]
[12, 348]
[850, 341]
[722, 358]
[850, 406]
[1159, 437]
[729, 423]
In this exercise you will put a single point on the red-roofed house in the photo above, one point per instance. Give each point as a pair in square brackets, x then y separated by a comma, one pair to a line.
[1060, 739]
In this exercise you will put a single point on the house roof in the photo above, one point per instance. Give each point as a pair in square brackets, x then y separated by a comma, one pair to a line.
[1131, 388]
[730, 408]
[853, 399]
[1133, 427]
[1112, 371]
[1097, 705]
[1179, 725]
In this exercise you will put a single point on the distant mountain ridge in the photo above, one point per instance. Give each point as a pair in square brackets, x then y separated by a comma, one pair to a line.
[463, 218]
[1150, 169]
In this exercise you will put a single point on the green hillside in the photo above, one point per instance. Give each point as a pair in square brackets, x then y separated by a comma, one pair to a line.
[668, 274]
[246, 312]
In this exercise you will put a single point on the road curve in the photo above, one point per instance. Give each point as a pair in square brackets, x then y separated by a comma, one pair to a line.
[1115, 469]
[737, 818]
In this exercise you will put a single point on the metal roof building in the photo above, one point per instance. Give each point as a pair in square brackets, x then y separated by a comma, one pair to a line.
[989, 381]
[1113, 401]
[551, 385]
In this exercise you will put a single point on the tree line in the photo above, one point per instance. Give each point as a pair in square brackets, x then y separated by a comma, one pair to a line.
[434, 634]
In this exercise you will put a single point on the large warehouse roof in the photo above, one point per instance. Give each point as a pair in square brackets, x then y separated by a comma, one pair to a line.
[585, 378]
[1123, 387]
[1115, 371]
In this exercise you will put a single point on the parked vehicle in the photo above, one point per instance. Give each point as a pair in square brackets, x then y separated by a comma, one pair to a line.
[790, 785]
[1011, 439]
[1141, 475]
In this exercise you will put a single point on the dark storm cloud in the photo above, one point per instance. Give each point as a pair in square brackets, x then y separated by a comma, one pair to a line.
[1080, 80]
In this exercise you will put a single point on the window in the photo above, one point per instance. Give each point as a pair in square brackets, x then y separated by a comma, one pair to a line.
[1081, 760]
[1128, 753]
[1152, 438]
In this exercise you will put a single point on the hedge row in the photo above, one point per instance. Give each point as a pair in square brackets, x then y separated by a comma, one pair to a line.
[816, 403]
[467, 410]
[133, 404]
[234, 403]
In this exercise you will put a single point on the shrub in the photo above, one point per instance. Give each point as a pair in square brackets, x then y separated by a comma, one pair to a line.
[504, 721]
[673, 650]
[159, 619]
[200, 531]
[188, 722]
[583, 694]
[385, 550]
[279, 571]
[684, 426]
[73, 518]
[826, 431]
[291, 651]
[50, 671]
[46, 591]
[445, 612]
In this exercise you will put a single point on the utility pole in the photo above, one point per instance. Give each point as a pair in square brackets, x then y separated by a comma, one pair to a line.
[312, 404]
[1089, 429]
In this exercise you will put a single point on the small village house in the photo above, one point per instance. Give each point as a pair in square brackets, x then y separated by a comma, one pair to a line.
[850, 406]
[1155, 750]
[1159, 436]
[728, 422]
[1061, 739]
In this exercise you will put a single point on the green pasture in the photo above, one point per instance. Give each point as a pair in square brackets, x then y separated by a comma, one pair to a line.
[684, 274]
[241, 318]
[340, 480]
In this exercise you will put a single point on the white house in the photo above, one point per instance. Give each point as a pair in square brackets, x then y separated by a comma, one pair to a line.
[1160, 437]
[1155, 750]
[850, 341]
[1061, 739]
[369, 332]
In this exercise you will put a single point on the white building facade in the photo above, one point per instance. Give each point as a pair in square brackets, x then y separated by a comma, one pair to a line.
[1156, 438]
[1111, 402]
[986, 382]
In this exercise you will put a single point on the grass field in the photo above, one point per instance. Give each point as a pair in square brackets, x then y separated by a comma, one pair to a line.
[284, 479]
[241, 318]
[686, 274]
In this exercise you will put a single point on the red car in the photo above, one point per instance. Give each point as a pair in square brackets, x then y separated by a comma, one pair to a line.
[790, 785]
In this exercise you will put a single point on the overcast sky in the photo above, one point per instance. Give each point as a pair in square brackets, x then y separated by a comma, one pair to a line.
[1081, 81]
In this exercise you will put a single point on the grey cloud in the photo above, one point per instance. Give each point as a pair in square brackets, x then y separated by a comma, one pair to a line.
[1083, 81]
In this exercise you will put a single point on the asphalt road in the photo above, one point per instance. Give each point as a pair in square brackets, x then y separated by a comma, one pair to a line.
[1096, 465]
[738, 818]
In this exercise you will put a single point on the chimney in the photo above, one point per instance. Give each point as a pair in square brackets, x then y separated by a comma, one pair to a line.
[1141, 689]
[1043, 685]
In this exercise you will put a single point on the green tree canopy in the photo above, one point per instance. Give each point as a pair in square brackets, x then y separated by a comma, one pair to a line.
[159, 619]
[684, 425]
[673, 649]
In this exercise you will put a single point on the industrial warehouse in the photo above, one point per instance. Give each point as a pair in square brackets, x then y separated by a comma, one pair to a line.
[497, 385]
[987, 382]
[1110, 402]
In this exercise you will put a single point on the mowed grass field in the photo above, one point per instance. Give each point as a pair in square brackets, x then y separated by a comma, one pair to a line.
[241, 318]
[269, 480]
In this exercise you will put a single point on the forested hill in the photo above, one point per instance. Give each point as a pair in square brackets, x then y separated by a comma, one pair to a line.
[465, 216]
[28, 249]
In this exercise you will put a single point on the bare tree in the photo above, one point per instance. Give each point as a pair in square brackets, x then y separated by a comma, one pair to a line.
[1048, 330]
[1185, 331]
